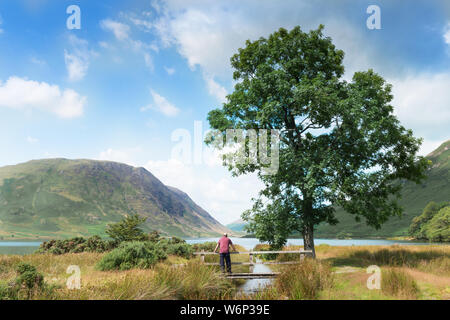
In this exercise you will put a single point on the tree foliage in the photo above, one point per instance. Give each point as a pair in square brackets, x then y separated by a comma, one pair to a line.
[127, 229]
[340, 143]
[433, 224]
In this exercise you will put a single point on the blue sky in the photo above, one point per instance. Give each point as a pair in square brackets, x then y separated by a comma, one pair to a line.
[136, 71]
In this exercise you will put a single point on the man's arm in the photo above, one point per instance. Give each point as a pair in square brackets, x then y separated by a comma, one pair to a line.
[217, 246]
[232, 245]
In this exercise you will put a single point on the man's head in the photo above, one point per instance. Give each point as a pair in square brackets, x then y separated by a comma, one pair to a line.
[225, 234]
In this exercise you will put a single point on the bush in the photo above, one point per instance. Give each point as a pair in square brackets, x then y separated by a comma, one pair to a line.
[438, 228]
[28, 284]
[131, 255]
[180, 249]
[29, 280]
[433, 224]
[206, 246]
[153, 236]
[8, 291]
[176, 247]
[398, 283]
[267, 256]
[76, 245]
[305, 280]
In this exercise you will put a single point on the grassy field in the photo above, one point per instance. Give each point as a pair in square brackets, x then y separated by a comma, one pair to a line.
[408, 272]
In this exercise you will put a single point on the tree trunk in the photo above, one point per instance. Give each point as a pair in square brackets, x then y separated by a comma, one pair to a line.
[308, 239]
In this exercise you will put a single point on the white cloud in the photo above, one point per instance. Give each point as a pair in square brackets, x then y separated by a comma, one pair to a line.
[120, 30]
[37, 61]
[76, 67]
[19, 93]
[170, 71]
[104, 44]
[429, 146]
[122, 33]
[120, 155]
[447, 34]
[144, 24]
[77, 59]
[214, 189]
[215, 89]
[32, 140]
[421, 102]
[148, 61]
[208, 33]
[161, 105]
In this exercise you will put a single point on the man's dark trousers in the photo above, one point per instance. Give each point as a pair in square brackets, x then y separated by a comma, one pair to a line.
[226, 257]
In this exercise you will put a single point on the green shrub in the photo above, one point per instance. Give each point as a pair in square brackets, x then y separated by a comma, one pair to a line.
[206, 246]
[8, 291]
[181, 249]
[176, 240]
[131, 255]
[76, 245]
[433, 224]
[153, 236]
[267, 256]
[438, 228]
[177, 247]
[28, 284]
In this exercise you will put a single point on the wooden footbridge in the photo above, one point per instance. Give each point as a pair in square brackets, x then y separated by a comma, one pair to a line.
[252, 262]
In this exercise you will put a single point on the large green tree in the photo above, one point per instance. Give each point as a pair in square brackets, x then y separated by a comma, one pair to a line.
[340, 143]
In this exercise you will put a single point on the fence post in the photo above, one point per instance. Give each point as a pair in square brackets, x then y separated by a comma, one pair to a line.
[203, 256]
[302, 255]
[251, 261]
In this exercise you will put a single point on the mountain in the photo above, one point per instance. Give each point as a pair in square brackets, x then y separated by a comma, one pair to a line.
[414, 199]
[60, 198]
[237, 225]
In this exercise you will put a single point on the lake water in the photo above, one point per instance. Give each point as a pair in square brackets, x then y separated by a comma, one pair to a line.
[27, 247]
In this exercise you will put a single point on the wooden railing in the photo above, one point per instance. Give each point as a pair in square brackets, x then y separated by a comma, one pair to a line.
[251, 254]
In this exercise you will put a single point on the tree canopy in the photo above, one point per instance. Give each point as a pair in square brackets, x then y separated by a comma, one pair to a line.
[340, 142]
[433, 224]
[127, 229]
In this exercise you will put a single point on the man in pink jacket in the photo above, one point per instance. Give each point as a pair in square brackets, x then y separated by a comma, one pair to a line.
[224, 245]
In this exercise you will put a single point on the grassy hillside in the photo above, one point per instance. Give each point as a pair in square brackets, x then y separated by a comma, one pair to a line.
[237, 225]
[64, 198]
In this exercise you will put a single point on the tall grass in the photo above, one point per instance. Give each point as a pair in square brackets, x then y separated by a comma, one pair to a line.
[193, 280]
[304, 280]
[397, 282]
